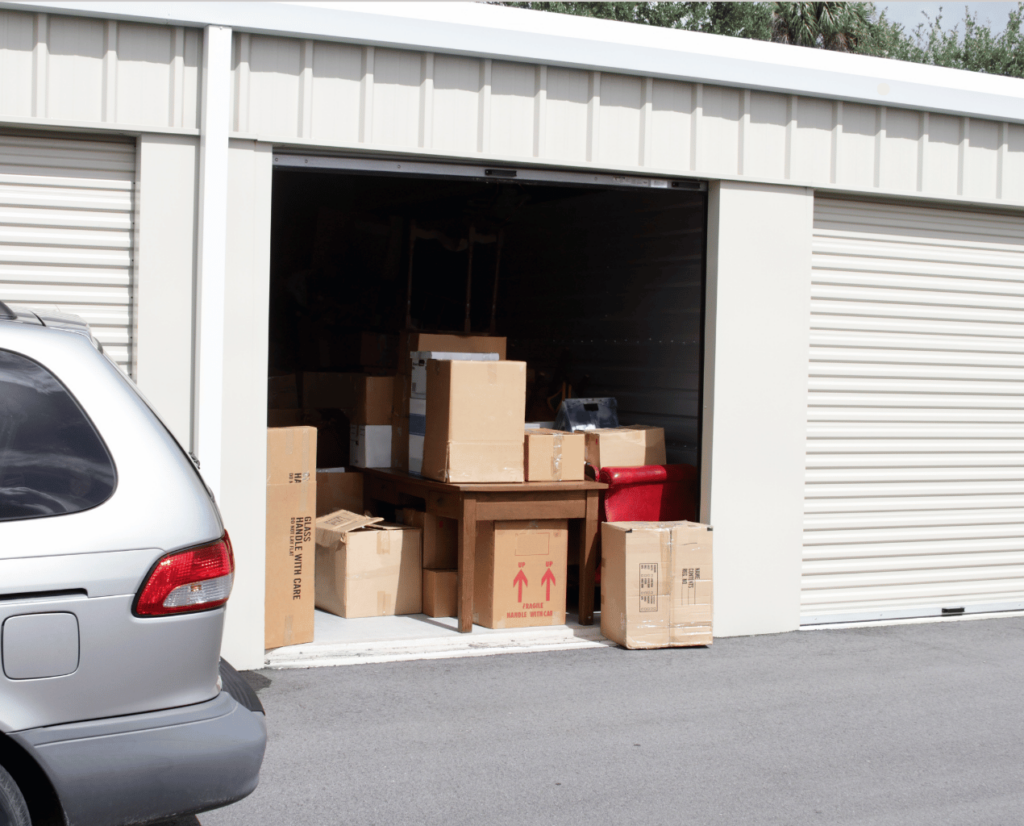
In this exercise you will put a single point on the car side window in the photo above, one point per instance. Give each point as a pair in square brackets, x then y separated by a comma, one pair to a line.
[52, 460]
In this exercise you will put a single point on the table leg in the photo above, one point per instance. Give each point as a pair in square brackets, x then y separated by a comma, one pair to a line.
[588, 558]
[467, 559]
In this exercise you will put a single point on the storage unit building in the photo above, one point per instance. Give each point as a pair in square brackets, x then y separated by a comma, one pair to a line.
[860, 373]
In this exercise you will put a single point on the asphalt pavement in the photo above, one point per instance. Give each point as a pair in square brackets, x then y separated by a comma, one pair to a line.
[909, 724]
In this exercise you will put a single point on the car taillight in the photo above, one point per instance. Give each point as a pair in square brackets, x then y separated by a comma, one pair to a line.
[194, 580]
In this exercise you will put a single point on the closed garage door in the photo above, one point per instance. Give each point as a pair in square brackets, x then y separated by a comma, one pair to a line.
[914, 502]
[66, 231]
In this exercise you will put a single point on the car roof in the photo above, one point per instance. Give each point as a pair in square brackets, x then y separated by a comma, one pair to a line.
[50, 318]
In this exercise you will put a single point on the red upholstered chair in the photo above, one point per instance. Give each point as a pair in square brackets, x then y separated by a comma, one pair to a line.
[651, 493]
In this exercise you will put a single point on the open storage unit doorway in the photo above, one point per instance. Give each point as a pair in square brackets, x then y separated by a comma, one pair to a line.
[596, 282]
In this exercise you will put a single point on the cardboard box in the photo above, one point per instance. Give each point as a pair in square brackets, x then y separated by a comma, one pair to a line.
[440, 538]
[338, 490]
[366, 567]
[284, 418]
[409, 341]
[419, 359]
[291, 515]
[656, 584]
[365, 399]
[440, 593]
[373, 399]
[291, 455]
[400, 442]
[476, 417]
[282, 392]
[631, 446]
[370, 445]
[554, 456]
[520, 573]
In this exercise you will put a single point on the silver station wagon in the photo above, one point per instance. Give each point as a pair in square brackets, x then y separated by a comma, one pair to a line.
[115, 706]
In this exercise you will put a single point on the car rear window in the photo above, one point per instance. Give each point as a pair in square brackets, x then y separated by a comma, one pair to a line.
[52, 460]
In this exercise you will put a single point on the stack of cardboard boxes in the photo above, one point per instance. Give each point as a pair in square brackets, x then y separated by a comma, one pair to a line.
[455, 412]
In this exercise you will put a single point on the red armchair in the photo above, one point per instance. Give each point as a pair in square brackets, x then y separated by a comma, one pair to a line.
[651, 493]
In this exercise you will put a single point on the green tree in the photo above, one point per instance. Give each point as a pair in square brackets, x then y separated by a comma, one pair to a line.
[848, 27]
[838, 27]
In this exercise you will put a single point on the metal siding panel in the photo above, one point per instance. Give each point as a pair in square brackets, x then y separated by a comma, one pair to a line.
[671, 122]
[66, 211]
[981, 160]
[941, 164]
[16, 42]
[456, 115]
[812, 141]
[74, 74]
[513, 100]
[719, 138]
[337, 75]
[898, 172]
[396, 97]
[274, 68]
[765, 138]
[568, 94]
[143, 73]
[620, 118]
[915, 449]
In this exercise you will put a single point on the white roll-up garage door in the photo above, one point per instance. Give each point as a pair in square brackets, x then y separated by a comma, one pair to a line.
[66, 231]
[914, 502]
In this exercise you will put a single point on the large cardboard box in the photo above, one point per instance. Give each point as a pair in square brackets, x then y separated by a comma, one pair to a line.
[476, 421]
[554, 456]
[656, 584]
[519, 577]
[291, 455]
[373, 399]
[400, 442]
[370, 445]
[631, 446]
[291, 515]
[440, 538]
[440, 593]
[366, 399]
[366, 567]
[409, 341]
[338, 489]
[419, 359]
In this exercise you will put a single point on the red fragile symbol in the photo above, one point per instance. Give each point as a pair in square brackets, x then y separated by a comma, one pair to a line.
[548, 579]
[520, 580]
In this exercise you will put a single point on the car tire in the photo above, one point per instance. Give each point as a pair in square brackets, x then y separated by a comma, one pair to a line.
[13, 811]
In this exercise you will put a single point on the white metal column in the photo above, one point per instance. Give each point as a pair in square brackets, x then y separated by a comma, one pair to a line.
[914, 502]
[212, 252]
[66, 207]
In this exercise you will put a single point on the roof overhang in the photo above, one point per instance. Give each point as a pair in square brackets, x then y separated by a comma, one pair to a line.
[482, 30]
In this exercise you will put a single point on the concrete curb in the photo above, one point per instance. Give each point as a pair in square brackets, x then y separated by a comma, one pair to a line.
[517, 641]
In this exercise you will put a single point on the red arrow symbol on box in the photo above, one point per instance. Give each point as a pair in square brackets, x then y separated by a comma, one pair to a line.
[548, 579]
[520, 580]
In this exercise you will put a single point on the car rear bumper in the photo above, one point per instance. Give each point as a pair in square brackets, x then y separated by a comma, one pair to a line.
[149, 767]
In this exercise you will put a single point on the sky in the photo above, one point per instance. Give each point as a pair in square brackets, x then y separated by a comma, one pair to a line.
[909, 14]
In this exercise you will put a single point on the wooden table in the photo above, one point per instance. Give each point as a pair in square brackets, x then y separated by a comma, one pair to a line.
[472, 503]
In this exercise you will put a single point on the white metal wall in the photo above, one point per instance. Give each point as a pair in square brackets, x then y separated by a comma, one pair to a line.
[914, 498]
[306, 92]
[66, 231]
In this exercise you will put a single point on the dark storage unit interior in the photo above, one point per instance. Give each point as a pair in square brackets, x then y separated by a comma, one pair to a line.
[599, 289]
